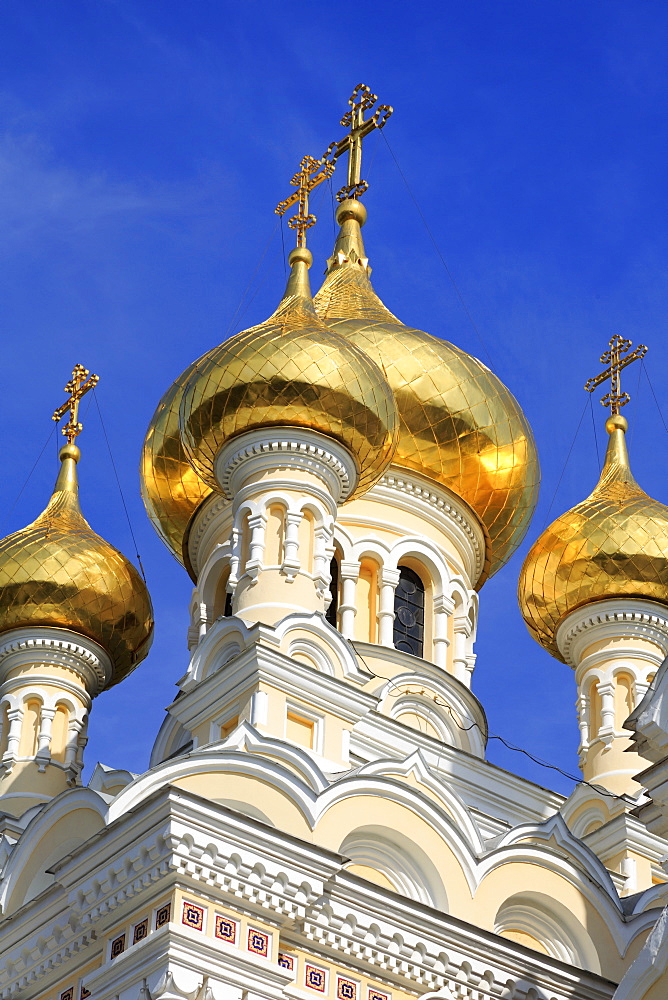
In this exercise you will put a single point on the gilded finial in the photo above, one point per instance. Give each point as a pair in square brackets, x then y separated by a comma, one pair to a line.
[77, 388]
[311, 173]
[360, 100]
[616, 359]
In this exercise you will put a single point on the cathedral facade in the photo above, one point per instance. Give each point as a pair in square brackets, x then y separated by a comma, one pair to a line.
[319, 819]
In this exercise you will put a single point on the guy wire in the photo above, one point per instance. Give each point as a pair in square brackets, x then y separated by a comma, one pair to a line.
[120, 489]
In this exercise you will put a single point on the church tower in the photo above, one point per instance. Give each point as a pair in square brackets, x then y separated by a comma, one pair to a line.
[75, 618]
[594, 592]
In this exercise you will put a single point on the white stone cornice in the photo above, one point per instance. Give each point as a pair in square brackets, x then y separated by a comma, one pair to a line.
[616, 618]
[296, 448]
[41, 644]
[412, 493]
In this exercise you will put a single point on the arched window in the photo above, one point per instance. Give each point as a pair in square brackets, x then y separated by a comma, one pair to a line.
[408, 632]
[332, 610]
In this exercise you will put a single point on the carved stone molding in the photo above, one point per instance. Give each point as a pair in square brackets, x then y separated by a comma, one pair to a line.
[417, 493]
[44, 645]
[296, 448]
[616, 618]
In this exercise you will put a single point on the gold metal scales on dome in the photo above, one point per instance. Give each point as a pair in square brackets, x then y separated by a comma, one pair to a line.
[613, 544]
[458, 424]
[58, 572]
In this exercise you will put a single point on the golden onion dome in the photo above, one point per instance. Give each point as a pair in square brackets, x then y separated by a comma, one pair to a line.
[170, 488]
[459, 425]
[613, 544]
[58, 572]
[290, 371]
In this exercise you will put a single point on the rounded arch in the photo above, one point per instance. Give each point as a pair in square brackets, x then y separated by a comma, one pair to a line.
[534, 915]
[68, 821]
[416, 552]
[401, 861]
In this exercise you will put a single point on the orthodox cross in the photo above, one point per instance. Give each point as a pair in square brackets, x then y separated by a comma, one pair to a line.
[360, 100]
[77, 388]
[615, 361]
[311, 173]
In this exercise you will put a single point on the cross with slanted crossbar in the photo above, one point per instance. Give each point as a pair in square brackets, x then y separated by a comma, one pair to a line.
[360, 100]
[615, 399]
[311, 173]
[77, 388]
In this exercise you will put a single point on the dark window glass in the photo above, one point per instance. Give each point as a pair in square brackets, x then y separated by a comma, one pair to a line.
[409, 613]
[228, 605]
[330, 613]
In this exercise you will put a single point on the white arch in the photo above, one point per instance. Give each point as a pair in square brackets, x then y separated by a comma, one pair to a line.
[551, 923]
[400, 859]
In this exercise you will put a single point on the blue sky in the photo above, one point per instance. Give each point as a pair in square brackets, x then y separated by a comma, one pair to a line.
[143, 147]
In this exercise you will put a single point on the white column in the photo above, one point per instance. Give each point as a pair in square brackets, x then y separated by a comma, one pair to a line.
[443, 607]
[322, 555]
[607, 730]
[47, 715]
[460, 666]
[235, 558]
[350, 572]
[256, 524]
[583, 721]
[389, 579]
[291, 563]
[15, 717]
[72, 749]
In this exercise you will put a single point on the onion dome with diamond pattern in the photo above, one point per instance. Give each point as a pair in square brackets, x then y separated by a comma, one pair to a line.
[459, 425]
[170, 488]
[613, 544]
[58, 572]
[290, 371]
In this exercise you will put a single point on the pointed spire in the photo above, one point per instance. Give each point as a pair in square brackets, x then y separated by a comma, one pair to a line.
[617, 468]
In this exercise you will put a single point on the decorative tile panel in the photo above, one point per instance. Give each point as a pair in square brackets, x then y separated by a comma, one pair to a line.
[258, 942]
[225, 929]
[117, 946]
[140, 931]
[378, 994]
[193, 916]
[84, 994]
[315, 978]
[163, 915]
[287, 961]
[67, 994]
[346, 989]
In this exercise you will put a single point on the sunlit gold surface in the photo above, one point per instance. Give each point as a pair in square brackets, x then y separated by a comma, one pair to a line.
[77, 388]
[459, 425]
[290, 371]
[311, 173]
[170, 488]
[613, 544]
[360, 100]
[616, 358]
[58, 572]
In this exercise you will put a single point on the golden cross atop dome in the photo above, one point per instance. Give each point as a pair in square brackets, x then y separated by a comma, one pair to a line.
[615, 399]
[311, 173]
[360, 100]
[77, 388]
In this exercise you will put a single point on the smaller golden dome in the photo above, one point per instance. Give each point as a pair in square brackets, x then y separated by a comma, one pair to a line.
[58, 572]
[170, 488]
[290, 371]
[613, 544]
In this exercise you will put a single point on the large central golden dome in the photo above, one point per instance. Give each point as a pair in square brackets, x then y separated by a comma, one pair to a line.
[290, 371]
[459, 425]
[58, 572]
[613, 544]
